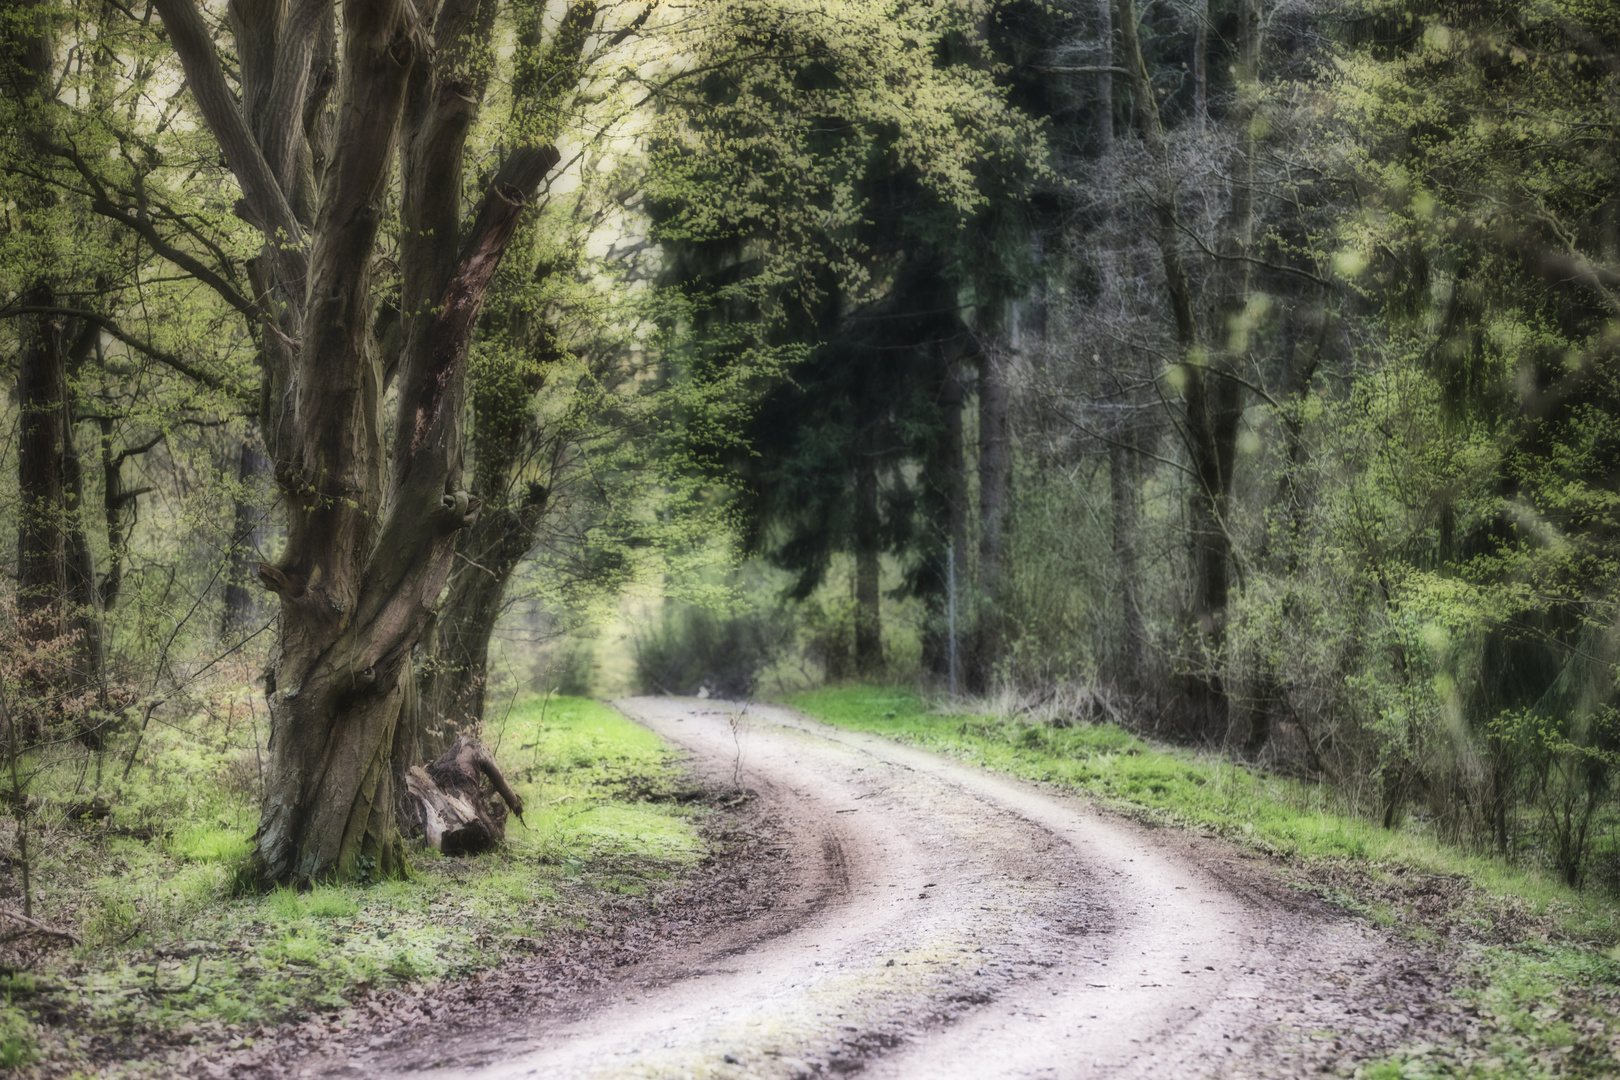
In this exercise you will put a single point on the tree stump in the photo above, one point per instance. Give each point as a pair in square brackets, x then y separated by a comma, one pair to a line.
[460, 801]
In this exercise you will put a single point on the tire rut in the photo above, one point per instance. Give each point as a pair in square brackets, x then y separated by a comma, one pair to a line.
[954, 923]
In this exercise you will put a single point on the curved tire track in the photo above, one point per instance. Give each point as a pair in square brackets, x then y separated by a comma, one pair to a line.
[954, 923]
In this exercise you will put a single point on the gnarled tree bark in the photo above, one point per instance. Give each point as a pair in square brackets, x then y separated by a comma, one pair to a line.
[371, 527]
[455, 667]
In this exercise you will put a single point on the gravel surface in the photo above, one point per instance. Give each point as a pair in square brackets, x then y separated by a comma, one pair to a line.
[882, 910]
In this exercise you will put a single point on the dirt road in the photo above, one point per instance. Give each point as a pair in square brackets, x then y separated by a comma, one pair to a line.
[946, 922]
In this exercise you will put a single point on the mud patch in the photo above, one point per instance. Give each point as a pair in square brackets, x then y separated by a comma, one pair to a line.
[1446, 907]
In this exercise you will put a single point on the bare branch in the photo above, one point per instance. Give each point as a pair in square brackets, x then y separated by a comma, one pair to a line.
[167, 359]
[1279, 267]
[271, 210]
[102, 203]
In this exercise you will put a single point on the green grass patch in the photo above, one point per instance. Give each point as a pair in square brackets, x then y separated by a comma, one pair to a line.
[1275, 814]
[1542, 1011]
[172, 945]
[209, 844]
[1539, 961]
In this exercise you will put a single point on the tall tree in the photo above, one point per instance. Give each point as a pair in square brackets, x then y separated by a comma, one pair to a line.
[321, 110]
[1486, 140]
[877, 254]
[56, 575]
[1211, 388]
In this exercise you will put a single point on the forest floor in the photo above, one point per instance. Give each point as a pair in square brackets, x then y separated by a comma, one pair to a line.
[900, 892]
[877, 908]
[175, 968]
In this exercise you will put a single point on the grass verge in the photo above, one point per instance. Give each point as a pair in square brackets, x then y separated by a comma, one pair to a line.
[1538, 960]
[170, 957]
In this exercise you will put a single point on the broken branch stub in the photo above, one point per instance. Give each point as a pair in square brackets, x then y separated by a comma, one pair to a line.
[460, 801]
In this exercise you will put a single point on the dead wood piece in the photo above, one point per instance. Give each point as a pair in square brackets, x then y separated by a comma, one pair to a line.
[450, 802]
[39, 927]
[466, 764]
[96, 809]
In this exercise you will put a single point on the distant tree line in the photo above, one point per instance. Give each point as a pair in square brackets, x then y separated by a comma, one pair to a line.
[1265, 393]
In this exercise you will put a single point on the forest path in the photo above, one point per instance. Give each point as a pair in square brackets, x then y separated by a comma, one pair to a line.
[948, 922]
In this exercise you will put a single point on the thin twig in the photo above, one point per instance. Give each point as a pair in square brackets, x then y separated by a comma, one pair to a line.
[156, 989]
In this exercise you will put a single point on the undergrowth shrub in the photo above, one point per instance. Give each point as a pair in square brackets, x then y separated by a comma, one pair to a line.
[690, 649]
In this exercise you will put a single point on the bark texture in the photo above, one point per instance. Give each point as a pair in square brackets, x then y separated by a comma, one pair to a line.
[372, 523]
[455, 669]
[459, 802]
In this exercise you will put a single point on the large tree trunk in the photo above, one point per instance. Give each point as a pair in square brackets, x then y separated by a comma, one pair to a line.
[455, 663]
[1215, 398]
[42, 584]
[56, 588]
[371, 526]
[1124, 447]
[1213, 410]
[56, 584]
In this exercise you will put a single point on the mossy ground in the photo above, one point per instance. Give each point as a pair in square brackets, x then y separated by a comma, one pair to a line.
[174, 952]
[1541, 981]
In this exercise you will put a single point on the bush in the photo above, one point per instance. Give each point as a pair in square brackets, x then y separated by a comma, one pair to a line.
[690, 649]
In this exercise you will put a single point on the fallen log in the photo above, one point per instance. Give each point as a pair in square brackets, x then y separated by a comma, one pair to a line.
[460, 801]
[35, 926]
